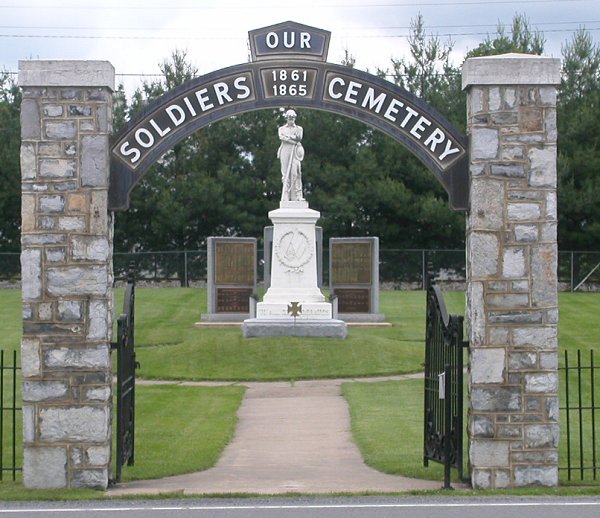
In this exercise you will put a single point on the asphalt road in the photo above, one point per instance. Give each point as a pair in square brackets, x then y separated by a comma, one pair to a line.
[342, 507]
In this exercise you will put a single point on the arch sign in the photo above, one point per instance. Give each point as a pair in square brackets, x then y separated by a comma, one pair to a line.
[289, 67]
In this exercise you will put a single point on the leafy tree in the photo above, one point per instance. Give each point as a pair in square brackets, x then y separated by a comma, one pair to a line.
[10, 177]
[579, 145]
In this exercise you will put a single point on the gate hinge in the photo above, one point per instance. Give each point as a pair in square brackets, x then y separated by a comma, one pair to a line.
[466, 343]
[114, 345]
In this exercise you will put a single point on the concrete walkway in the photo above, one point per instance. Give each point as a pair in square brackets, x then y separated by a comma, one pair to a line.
[290, 438]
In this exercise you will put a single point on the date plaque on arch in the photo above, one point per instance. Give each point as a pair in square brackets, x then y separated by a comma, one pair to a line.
[289, 40]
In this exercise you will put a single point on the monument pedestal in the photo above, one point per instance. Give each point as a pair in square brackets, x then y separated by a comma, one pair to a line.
[294, 305]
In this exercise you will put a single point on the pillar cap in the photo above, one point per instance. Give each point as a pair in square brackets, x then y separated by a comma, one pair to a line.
[511, 69]
[66, 73]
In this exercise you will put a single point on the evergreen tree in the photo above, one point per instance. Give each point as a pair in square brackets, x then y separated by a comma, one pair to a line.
[579, 145]
[10, 175]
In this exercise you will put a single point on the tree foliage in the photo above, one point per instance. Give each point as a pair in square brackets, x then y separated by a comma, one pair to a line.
[224, 179]
[579, 145]
[522, 39]
[10, 171]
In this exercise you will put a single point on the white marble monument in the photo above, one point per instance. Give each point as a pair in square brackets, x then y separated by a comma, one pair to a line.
[293, 305]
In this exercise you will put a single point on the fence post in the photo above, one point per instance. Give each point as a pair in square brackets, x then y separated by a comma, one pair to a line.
[572, 272]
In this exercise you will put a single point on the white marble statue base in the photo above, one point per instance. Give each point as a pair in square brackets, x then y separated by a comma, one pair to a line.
[294, 305]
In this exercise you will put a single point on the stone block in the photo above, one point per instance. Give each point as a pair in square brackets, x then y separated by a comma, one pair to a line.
[536, 476]
[552, 409]
[545, 383]
[494, 99]
[90, 248]
[97, 357]
[90, 478]
[508, 300]
[536, 337]
[31, 274]
[34, 391]
[30, 119]
[484, 143]
[28, 161]
[53, 110]
[526, 233]
[489, 453]
[98, 320]
[513, 263]
[487, 365]
[64, 282]
[523, 212]
[551, 206]
[94, 161]
[30, 357]
[483, 254]
[45, 468]
[100, 223]
[510, 170]
[97, 394]
[66, 130]
[522, 361]
[481, 478]
[482, 426]
[57, 168]
[52, 203]
[74, 424]
[549, 361]
[542, 167]
[28, 213]
[495, 399]
[475, 314]
[28, 424]
[98, 455]
[72, 223]
[55, 255]
[502, 479]
[70, 310]
[487, 204]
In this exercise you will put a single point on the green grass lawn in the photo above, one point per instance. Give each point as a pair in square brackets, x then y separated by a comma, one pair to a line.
[170, 346]
[386, 417]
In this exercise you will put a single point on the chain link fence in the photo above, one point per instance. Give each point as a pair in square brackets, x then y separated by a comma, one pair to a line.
[398, 268]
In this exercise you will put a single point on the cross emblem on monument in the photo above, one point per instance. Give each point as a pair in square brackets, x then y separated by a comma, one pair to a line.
[294, 309]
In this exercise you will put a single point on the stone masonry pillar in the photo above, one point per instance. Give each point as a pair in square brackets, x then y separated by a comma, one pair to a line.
[66, 260]
[512, 307]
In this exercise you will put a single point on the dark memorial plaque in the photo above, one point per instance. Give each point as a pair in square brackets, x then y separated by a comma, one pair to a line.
[233, 300]
[231, 278]
[351, 263]
[354, 277]
[235, 263]
[354, 300]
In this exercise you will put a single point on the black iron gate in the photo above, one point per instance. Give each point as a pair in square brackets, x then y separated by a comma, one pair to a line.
[126, 366]
[443, 409]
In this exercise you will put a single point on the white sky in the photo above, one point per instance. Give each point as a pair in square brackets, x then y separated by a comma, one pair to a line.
[135, 36]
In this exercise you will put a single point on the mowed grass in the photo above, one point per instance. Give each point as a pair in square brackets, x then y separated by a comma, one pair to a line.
[181, 429]
[386, 417]
[170, 346]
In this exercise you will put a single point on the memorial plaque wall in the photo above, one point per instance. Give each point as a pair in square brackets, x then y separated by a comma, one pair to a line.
[354, 277]
[231, 279]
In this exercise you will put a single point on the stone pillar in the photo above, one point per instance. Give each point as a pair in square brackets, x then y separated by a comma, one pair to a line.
[66, 257]
[512, 311]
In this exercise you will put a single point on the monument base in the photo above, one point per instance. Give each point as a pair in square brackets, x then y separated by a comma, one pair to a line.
[281, 310]
[362, 317]
[259, 327]
[223, 317]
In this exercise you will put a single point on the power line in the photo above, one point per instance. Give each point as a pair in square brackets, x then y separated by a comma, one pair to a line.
[279, 6]
[231, 38]
[175, 29]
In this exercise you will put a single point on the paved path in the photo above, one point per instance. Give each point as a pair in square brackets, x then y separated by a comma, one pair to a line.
[290, 438]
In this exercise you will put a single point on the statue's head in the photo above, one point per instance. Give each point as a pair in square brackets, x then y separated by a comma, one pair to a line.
[290, 114]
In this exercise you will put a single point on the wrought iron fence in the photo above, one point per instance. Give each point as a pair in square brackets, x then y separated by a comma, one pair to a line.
[580, 414]
[398, 268]
[10, 426]
[443, 391]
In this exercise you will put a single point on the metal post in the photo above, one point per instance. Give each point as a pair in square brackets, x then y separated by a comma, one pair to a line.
[185, 269]
[423, 271]
[572, 272]
[447, 425]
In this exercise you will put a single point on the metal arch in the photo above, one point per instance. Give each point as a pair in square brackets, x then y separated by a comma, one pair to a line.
[453, 175]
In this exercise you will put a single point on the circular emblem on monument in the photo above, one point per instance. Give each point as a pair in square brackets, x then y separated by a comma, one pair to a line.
[293, 249]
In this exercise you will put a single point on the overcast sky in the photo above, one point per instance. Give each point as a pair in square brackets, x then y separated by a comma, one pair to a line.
[135, 36]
